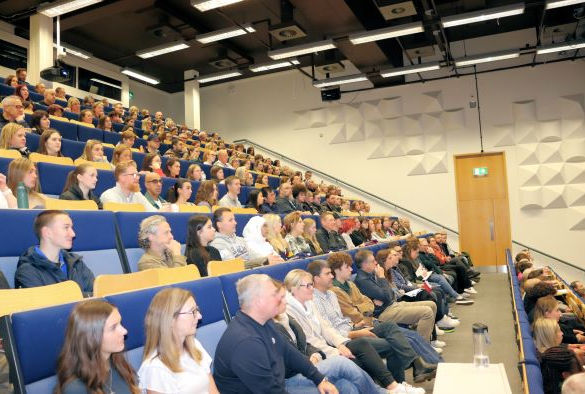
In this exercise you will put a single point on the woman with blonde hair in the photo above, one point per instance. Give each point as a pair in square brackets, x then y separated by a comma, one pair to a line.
[92, 359]
[274, 235]
[309, 231]
[13, 136]
[73, 105]
[94, 151]
[122, 153]
[195, 173]
[548, 308]
[24, 170]
[174, 360]
[50, 143]
[547, 334]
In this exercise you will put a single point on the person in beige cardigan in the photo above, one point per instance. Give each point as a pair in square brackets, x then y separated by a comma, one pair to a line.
[161, 250]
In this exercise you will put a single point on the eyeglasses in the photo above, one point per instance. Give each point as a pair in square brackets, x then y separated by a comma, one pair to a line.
[194, 312]
[133, 175]
[155, 181]
[307, 285]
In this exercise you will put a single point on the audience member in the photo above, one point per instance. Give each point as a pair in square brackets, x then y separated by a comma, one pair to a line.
[274, 235]
[578, 287]
[208, 158]
[105, 123]
[269, 204]
[14, 137]
[230, 199]
[195, 173]
[254, 233]
[57, 111]
[222, 159]
[25, 171]
[152, 162]
[557, 364]
[309, 234]
[153, 185]
[293, 227]
[81, 183]
[251, 355]
[161, 250]
[73, 105]
[12, 112]
[48, 97]
[94, 151]
[255, 200]
[60, 93]
[86, 117]
[122, 154]
[327, 236]
[574, 384]
[174, 360]
[128, 138]
[11, 80]
[22, 92]
[50, 262]
[40, 88]
[172, 168]
[200, 233]
[92, 359]
[180, 192]
[285, 203]
[206, 194]
[231, 246]
[7, 199]
[98, 110]
[217, 174]
[152, 144]
[178, 150]
[40, 122]
[21, 75]
[50, 143]
[127, 189]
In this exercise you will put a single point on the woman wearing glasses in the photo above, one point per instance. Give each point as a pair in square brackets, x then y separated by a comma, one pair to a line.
[174, 361]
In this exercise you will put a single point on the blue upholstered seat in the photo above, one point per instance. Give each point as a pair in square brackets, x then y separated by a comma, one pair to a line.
[67, 130]
[85, 133]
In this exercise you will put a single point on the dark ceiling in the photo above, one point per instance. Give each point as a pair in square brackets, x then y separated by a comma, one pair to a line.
[114, 30]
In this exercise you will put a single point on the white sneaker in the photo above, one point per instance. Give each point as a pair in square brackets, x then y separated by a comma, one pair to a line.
[438, 350]
[405, 388]
[439, 344]
[446, 321]
[470, 290]
[438, 331]
[465, 295]
[464, 302]
[473, 283]
[452, 322]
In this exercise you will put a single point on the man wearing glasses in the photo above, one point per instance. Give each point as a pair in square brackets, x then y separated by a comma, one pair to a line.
[153, 185]
[127, 189]
[13, 112]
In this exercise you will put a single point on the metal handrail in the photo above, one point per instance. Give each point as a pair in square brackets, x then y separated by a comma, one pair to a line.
[396, 206]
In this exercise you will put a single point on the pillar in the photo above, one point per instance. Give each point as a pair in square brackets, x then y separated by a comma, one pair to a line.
[192, 100]
[40, 49]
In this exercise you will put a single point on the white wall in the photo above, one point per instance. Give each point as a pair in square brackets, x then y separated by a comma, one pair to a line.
[399, 142]
[171, 105]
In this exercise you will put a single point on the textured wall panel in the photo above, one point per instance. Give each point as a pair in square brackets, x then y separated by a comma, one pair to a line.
[524, 110]
[573, 150]
[549, 131]
[453, 119]
[435, 163]
[549, 152]
[528, 175]
[391, 107]
[552, 197]
[575, 195]
[414, 145]
[530, 198]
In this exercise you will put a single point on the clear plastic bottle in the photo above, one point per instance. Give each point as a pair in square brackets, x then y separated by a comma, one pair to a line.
[481, 340]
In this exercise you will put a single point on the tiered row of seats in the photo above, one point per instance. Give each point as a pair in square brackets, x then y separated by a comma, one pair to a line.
[33, 339]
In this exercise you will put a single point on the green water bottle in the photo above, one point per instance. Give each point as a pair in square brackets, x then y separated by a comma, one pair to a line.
[21, 196]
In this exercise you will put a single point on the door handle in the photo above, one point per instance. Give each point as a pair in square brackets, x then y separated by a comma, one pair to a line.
[491, 230]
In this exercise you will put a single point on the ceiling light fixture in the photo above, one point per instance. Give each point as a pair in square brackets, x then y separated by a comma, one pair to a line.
[162, 49]
[385, 33]
[419, 68]
[299, 50]
[560, 3]
[219, 76]
[74, 51]
[273, 65]
[493, 57]
[105, 83]
[206, 5]
[223, 34]
[482, 15]
[323, 83]
[64, 6]
[563, 46]
[141, 77]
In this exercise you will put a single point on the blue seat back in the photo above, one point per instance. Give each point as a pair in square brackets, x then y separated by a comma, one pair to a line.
[67, 130]
[72, 149]
[106, 181]
[53, 177]
[70, 115]
[6, 90]
[241, 220]
[85, 133]
[111, 137]
[32, 141]
[228, 286]
[4, 163]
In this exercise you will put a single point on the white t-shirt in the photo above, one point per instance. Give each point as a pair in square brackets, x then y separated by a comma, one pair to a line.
[154, 375]
[3, 202]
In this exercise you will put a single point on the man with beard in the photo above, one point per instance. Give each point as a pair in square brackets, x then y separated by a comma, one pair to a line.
[127, 189]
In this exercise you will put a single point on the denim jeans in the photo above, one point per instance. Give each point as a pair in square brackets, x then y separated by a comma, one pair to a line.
[443, 284]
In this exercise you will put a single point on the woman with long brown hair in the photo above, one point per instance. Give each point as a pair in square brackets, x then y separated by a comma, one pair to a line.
[81, 183]
[174, 361]
[50, 143]
[24, 170]
[200, 233]
[309, 231]
[92, 359]
[206, 194]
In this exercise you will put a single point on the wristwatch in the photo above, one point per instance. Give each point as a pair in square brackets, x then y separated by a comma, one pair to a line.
[325, 379]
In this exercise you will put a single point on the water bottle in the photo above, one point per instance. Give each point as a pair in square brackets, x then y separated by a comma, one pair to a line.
[21, 196]
[481, 340]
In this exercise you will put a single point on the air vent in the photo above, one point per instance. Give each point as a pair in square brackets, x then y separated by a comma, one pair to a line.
[393, 10]
[223, 63]
[287, 31]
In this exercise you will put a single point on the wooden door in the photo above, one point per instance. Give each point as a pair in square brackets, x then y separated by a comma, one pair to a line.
[483, 208]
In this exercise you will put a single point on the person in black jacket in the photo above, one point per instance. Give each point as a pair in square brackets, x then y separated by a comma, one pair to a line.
[81, 183]
[285, 204]
[269, 197]
[50, 262]
[200, 233]
[327, 236]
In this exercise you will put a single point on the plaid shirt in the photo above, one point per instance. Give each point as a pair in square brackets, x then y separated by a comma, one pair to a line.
[328, 306]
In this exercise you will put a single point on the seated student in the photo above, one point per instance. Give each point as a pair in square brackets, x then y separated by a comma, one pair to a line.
[178, 150]
[208, 158]
[105, 123]
[50, 262]
[153, 144]
[255, 237]
[574, 384]
[548, 308]
[11, 80]
[153, 185]
[50, 143]
[285, 202]
[230, 199]
[152, 163]
[360, 235]
[40, 122]
[327, 236]
[24, 170]
[309, 234]
[255, 200]
[371, 281]
[462, 258]
[327, 339]
[578, 287]
[161, 250]
[94, 328]
[206, 194]
[195, 173]
[81, 183]
[231, 246]
[274, 236]
[172, 168]
[60, 93]
[547, 333]
[174, 361]
[57, 111]
[13, 111]
[222, 159]
[73, 105]
[217, 175]
[269, 204]
[522, 266]
[128, 138]
[7, 199]
[346, 228]
[450, 262]
[557, 364]
[146, 125]
[330, 204]
[346, 375]
[14, 137]
[180, 193]
[200, 233]
[293, 227]
[385, 337]
[299, 194]
[86, 117]
[127, 189]
[378, 234]
[98, 109]
[121, 154]
[536, 290]
[251, 355]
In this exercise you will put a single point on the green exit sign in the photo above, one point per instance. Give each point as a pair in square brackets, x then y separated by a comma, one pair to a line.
[480, 171]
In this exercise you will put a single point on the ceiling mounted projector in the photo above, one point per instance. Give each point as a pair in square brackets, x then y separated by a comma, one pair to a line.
[55, 73]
